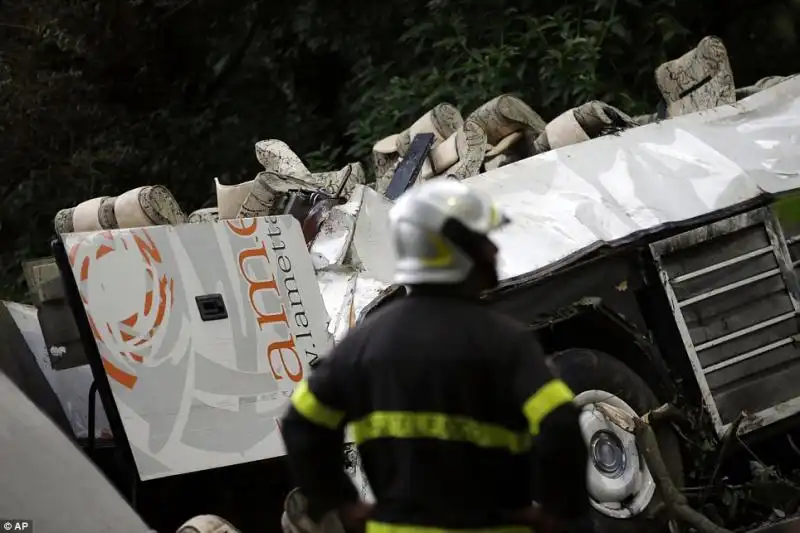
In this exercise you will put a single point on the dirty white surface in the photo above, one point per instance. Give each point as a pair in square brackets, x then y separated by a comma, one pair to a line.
[198, 390]
[353, 258]
[71, 385]
[48, 481]
[612, 189]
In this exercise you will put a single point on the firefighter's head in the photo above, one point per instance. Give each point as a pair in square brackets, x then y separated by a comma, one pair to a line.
[440, 235]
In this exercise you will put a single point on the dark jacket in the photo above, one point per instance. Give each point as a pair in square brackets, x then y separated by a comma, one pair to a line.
[445, 399]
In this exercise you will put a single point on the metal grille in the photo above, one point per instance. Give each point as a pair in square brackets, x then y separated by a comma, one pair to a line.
[735, 299]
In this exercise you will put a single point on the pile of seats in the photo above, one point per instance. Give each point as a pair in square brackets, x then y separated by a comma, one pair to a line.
[503, 130]
[155, 205]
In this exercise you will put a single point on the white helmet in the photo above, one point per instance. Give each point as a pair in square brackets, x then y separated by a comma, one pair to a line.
[438, 231]
[207, 523]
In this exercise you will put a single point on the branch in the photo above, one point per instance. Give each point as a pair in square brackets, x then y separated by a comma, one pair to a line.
[730, 436]
[666, 412]
[675, 502]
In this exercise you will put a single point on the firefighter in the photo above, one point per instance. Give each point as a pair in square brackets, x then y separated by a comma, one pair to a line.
[452, 405]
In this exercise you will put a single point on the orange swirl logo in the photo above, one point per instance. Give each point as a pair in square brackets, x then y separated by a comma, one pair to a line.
[127, 299]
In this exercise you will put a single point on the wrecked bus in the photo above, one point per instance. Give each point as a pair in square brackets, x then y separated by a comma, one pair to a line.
[656, 266]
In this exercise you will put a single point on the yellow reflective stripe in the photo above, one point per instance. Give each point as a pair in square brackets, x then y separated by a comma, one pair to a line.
[315, 411]
[494, 217]
[415, 425]
[444, 254]
[382, 527]
[553, 394]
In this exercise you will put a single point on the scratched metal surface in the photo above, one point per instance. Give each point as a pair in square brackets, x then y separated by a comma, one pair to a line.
[614, 189]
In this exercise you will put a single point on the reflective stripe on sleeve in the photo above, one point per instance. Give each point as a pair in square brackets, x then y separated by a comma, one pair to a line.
[308, 405]
[551, 395]
[439, 426]
[382, 527]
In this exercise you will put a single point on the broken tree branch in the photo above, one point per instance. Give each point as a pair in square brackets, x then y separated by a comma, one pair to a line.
[675, 502]
[666, 412]
[730, 436]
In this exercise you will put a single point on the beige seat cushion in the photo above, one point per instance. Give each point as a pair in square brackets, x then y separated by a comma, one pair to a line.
[564, 130]
[471, 145]
[151, 205]
[277, 157]
[85, 217]
[231, 197]
[206, 214]
[62, 222]
[350, 175]
[705, 73]
[501, 118]
[443, 120]
[207, 524]
[267, 187]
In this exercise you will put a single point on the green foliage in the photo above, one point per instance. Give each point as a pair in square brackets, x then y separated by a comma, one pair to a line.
[100, 97]
[788, 212]
[321, 159]
[552, 58]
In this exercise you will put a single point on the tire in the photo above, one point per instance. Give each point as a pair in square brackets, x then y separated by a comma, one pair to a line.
[586, 370]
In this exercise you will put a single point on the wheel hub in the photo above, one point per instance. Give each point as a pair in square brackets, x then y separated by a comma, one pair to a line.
[608, 454]
[620, 484]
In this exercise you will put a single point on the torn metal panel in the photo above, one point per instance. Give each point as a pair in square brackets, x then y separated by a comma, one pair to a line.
[333, 285]
[361, 291]
[734, 298]
[367, 290]
[336, 287]
[371, 247]
[353, 258]
[332, 243]
[357, 234]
